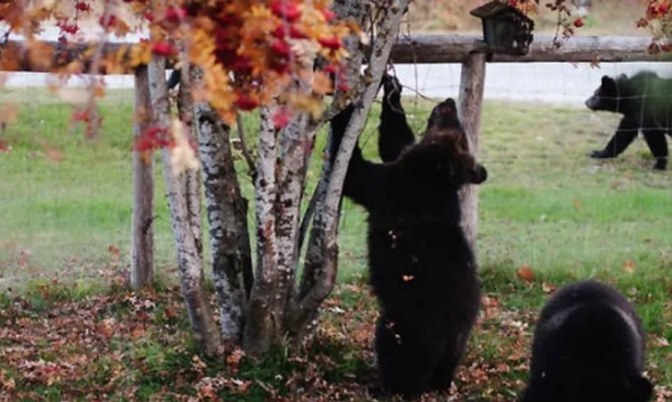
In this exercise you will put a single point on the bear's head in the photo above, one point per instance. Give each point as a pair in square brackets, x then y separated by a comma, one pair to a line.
[444, 116]
[607, 97]
[448, 146]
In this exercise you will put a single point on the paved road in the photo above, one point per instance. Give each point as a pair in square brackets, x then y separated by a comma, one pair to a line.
[558, 83]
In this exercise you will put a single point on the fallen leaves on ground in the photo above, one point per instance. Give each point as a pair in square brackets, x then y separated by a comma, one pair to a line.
[125, 345]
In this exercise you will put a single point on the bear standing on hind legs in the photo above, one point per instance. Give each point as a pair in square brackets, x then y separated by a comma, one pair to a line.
[645, 101]
[588, 346]
[423, 271]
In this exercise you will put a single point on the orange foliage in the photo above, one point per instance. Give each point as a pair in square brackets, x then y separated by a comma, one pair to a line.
[251, 52]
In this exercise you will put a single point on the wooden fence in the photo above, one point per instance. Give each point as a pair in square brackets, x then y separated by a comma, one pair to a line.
[420, 49]
[416, 49]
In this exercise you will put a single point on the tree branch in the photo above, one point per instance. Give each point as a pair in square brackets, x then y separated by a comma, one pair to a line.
[322, 265]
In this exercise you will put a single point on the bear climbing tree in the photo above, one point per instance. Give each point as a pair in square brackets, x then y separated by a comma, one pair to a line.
[423, 270]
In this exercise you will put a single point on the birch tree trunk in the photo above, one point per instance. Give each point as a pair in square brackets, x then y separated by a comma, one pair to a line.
[142, 249]
[291, 158]
[320, 268]
[227, 219]
[184, 202]
[259, 330]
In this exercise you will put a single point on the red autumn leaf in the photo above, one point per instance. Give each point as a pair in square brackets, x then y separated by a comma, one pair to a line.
[144, 144]
[153, 138]
[286, 10]
[164, 49]
[331, 69]
[280, 48]
[113, 250]
[283, 30]
[242, 65]
[81, 115]
[279, 66]
[332, 43]
[525, 273]
[176, 14]
[109, 22]
[244, 102]
[81, 6]
[4, 147]
[642, 23]
[69, 28]
[343, 86]
[328, 14]
[281, 117]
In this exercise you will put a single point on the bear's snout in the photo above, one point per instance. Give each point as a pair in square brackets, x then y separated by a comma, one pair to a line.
[481, 174]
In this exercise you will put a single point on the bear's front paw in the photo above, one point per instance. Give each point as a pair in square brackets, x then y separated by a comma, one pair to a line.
[600, 155]
[391, 88]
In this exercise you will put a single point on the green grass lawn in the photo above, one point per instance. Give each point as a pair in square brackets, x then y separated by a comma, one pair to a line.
[546, 206]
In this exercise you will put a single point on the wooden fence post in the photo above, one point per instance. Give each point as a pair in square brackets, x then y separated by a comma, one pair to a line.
[142, 246]
[472, 82]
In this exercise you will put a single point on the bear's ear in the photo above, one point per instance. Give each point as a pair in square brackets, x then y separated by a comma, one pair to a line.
[608, 82]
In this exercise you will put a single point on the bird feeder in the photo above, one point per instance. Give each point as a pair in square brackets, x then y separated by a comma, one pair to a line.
[506, 30]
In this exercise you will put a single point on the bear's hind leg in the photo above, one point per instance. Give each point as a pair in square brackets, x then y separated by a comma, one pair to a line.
[404, 365]
[444, 372]
[657, 143]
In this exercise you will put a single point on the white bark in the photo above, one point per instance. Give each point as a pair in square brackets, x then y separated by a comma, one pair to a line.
[180, 197]
[321, 257]
[295, 148]
[259, 330]
[227, 218]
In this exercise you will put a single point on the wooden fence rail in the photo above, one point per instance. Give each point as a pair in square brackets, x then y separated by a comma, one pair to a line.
[420, 49]
[417, 49]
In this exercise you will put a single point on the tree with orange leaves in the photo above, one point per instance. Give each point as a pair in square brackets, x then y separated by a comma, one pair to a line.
[281, 57]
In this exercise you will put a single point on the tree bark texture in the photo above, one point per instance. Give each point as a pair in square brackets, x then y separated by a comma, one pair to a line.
[227, 218]
[296, 143]
[142, 248]
[261, 320]
[322, 254]
[472, 83]
[183, 201]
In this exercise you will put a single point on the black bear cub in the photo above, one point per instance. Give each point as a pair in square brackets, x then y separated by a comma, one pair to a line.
[645, 101]
[422, 269]
[588, 346]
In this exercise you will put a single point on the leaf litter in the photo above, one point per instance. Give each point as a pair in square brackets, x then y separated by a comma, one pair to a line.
[124, 345]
